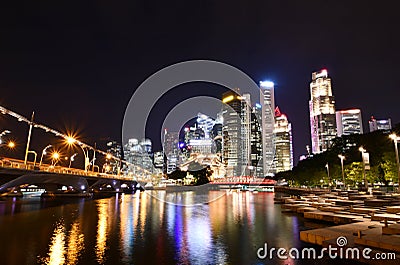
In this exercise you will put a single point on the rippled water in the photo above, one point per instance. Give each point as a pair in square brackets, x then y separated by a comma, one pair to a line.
[143, 229]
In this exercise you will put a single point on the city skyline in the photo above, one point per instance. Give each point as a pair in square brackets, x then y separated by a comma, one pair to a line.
[81, 73]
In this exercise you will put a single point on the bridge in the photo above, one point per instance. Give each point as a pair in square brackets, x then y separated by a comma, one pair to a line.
[16, 177]
[13, 171]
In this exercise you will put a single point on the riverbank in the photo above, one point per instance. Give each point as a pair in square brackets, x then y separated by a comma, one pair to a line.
[363, 220]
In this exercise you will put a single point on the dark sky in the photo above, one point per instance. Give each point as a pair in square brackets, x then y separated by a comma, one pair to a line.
[77, 63]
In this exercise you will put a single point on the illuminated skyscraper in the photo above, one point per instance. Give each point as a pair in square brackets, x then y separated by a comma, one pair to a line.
[267, 102]
[256, 145]
[236, 132]
[283, 160]
[322, 112]
[384, 125]
[349, 122]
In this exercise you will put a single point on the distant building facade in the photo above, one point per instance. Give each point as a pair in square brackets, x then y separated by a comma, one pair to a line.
[322, 112]
[383, 124]
[236, 129]
[267, 101]
[114, 165]
[283, 159]
[349, 122]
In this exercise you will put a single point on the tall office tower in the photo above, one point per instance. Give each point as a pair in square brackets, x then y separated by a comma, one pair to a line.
[256, 145]
[267, 102]
[283, 160]
[205, 123]
[236, 133]
[384, 125]
[136, 154]
[217, 133]
[171, 150]
[322, 112]
[115, 150]
[349, 122]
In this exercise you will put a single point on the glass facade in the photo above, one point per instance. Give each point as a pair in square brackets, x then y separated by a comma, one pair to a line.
[322, 112]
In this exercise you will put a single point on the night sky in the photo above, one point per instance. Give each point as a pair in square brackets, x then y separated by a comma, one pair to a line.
[77, 63]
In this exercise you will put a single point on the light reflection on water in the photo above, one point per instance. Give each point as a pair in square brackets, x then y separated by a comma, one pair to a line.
[143, 229]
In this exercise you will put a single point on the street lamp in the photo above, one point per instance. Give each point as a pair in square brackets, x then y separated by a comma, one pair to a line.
[71, 141]
[395, 139]
[4, 133]
[10, 144]
[329, 177]
[72, 159]
[55, 157]
[342, 157]
[43, 153]
[362, 150]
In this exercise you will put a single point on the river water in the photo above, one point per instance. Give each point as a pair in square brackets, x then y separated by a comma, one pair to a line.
[148, 228]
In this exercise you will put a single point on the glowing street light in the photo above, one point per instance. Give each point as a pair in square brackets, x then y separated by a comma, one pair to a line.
[363, 153]
[43, 153]
[55, 157]
[395, 139]
[72, 159]
[11, 144]
[342, 157]
[71, 141]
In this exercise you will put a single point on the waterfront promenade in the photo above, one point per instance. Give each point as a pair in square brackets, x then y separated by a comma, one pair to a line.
[365, 220]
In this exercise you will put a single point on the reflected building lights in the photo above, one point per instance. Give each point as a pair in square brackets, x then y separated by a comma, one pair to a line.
[75, 243]
[101, 242]
[57, 246]
[126, 227]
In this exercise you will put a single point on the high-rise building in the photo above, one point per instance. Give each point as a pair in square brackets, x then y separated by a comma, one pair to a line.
[115, 150]
[256, 146]
[384, 125]
[267, 101]
[171, 150]
[236, 130]
[322, 112]
[349, 122]
[283, 160]
[138, 156]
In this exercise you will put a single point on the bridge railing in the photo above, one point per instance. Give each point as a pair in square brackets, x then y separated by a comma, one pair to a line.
[20, 164]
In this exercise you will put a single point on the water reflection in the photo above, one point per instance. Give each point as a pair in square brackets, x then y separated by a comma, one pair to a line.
[57, 246]
[102, 233]
[75, 243]
[143, 229]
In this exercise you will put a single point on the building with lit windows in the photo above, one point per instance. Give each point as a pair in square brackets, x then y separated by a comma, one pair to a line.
[236, 129]
[383, 125]
[267, 101]
[322, 112]
[283, 159]
[256, 146]
[115, 150]
[171, 151]
[349, 122]
[138, 155]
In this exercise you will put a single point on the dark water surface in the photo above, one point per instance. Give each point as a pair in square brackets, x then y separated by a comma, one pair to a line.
[142, 229]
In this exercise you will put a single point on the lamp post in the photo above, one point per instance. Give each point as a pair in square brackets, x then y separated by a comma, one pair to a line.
[395, 139]
[35, 154]
[362, 150]
[329, 177]
[342, 157]
[29, 138]
[71, 140]
[55, 157]
[4, 133]
[72, 159]
[43, 153]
